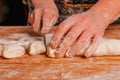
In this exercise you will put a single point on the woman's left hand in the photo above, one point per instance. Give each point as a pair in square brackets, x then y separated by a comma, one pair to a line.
[73, 34]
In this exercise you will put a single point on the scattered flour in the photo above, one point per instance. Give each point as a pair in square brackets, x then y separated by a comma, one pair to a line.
[21, 39]
[12, 74]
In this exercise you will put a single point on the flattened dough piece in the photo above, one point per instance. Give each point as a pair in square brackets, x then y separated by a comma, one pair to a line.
[22, 39]
[50, 52]
[13, 51]
[37, 47]
[106, 47]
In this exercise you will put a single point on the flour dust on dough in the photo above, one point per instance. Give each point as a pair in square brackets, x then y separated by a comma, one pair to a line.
[106, 47]
[13, 51]
[22, 39]
[37, 47]
[15, 45]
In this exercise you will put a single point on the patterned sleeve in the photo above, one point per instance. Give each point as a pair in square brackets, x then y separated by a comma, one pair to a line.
[66, 11]
[29, 4]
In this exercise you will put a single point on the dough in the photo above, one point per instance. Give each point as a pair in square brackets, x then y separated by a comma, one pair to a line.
[13, 51]
[106, 47]
[37, 47]
[22, 39]
[32, 42]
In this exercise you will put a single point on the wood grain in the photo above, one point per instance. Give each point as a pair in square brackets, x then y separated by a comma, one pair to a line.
[40, 67]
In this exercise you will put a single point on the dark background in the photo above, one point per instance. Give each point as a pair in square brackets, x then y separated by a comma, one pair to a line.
[17, 14]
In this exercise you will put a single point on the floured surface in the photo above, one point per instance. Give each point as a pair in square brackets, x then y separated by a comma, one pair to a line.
[22, 39]
[40, 67]
[21, 43]
[43, 68]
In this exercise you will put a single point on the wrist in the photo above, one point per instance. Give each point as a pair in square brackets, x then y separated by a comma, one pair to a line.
[106, 11]
[99, 18]
[38, 3]
[100, 21]
[105, 17]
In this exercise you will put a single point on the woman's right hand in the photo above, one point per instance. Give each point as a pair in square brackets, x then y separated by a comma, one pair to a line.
[44, 16]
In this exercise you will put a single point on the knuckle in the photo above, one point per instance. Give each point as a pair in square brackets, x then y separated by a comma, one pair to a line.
[62, 25]
[83, 40]
[46, 10]
[57, 15]
[37, 10]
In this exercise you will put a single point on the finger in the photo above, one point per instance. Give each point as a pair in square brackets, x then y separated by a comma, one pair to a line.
[95, 43]
[30, 18]
[79, 44]
[62, 29]
[69, 39]
[48, 20]
[37, 20]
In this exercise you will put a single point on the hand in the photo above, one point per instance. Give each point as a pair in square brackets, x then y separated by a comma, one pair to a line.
[73, 34]
[44, 16]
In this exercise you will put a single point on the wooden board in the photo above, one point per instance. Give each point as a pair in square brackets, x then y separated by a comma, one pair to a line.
[40, 67]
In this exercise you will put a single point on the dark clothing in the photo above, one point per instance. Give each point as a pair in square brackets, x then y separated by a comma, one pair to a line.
[16, 13]
[68, 10]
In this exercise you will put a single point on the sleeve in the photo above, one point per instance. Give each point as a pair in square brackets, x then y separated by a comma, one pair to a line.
[29, 4]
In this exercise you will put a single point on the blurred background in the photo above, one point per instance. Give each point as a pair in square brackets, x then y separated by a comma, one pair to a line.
[12, 12]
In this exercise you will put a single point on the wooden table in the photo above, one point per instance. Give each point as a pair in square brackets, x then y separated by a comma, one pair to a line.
[40, 67]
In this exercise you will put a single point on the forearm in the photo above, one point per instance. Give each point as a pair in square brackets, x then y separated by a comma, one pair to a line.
[38, 3]
[108, 11]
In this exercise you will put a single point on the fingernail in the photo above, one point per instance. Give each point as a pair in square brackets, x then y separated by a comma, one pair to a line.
[35, 30]
[68, 56]
[87, 54]
[44, 31]
[52, 44]
[58, 55]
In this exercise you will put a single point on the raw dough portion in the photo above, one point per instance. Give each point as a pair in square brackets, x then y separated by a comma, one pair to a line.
[22, 39]
[50, 52]
[48, 38]
[1, 49]
[32, 41]
[106, 47]
[13, 51]
[37, 47]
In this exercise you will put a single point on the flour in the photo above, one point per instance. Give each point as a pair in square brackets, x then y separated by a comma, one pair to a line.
[90, 59]
[37, 47]
[106, 47]
[12, 74]
[20, 40]
[12, 51]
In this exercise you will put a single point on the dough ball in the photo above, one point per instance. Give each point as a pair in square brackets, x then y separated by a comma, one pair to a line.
[50, 52]
[1, 49]
[37, 47]
[13, 51]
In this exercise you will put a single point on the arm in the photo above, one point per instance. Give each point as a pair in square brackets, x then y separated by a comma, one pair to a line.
[109, 11]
